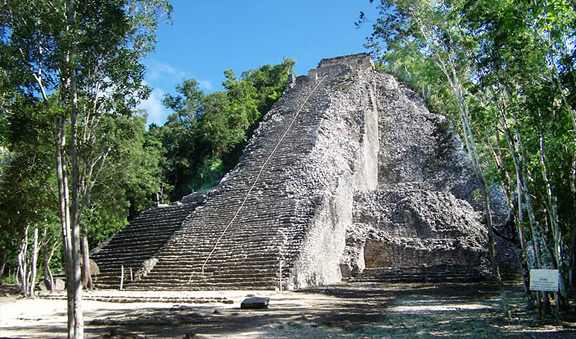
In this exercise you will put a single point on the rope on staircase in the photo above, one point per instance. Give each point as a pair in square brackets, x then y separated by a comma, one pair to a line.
[258, 177]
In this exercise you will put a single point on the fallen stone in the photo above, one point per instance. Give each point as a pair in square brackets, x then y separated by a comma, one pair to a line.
[255, 303]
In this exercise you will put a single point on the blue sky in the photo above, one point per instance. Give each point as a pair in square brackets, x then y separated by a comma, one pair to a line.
[208, 37]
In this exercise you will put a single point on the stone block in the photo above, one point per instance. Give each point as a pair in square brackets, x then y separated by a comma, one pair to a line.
[255, 303]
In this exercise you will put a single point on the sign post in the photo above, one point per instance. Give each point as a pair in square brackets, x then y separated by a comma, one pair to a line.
[544, 280]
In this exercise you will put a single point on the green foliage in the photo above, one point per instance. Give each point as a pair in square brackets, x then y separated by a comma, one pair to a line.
[28, 185]
[204, 137]
[515, 61]
[126, 181]
[27, 194]
[72, 69]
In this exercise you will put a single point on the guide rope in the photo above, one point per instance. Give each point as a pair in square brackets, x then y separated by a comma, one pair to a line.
[258, 176]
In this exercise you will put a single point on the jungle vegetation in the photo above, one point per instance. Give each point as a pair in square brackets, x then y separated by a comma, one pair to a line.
[503, 71]
[77, 160]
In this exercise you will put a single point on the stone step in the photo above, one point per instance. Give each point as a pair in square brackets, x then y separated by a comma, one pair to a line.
[192, 260]
[418, 274]
[184, 285]
[221, 273]
[418, 278]
[212, 267]
[145, 299]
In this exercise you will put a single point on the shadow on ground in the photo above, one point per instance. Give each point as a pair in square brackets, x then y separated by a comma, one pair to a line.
[354, 310]
[348, 310]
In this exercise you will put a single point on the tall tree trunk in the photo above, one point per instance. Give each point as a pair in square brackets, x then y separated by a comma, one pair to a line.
[33, 263]
[86, 269]
[86, 274]
[552, 200]
[75, 292]
[3, 255]
[65, 218]
[22, 263]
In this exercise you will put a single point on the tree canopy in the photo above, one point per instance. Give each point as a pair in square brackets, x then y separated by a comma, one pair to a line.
[204, 137]
[75, 66]
[503, 71]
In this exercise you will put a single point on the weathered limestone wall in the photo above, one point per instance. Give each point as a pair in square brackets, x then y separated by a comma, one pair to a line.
[423, 212]
[410, 227]
[345, 156]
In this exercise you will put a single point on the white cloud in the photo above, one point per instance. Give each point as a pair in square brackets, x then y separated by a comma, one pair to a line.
[205, 84]
[157, 71]
[164, 75]
[157, 113]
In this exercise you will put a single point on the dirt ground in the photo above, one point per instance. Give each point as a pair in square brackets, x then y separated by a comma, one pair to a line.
[355, 310]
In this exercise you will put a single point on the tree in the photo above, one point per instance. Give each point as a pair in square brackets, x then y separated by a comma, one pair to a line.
[204, 137]
[127, 180]
[28, 199]
[88, 52]
[524, 83]
[509, 67]
[180, 138]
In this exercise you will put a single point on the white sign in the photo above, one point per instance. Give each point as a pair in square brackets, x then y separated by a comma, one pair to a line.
[544, 280]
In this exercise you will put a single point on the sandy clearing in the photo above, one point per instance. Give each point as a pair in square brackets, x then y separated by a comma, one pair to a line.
[347, 310]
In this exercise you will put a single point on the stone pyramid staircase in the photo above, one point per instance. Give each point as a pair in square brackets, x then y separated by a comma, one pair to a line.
[132, 245]
[345, 163]
[245, 236]
[247, 232]
[434, 274]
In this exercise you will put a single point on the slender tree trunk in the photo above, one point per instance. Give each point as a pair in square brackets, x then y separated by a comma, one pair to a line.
[86, 274]
[65, 218]
[562, 294]
[3, 255]
[22, 263]
[86, 270]
[76, 277]
[33, 263]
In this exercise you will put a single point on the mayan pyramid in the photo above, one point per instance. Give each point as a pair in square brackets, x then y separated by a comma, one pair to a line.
[349, 176]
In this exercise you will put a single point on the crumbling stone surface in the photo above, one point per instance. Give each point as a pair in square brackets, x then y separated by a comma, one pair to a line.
[349, 175]
[146, 267]
[411, 227]
[424, 212]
